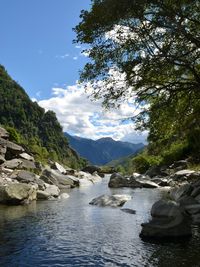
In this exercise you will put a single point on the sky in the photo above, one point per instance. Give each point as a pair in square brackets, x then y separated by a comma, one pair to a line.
[38, 52]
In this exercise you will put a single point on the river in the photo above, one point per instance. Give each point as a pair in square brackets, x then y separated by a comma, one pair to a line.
[71, 232]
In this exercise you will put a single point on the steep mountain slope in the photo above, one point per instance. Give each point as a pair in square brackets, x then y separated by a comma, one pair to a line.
[103, 150]
[40, 131]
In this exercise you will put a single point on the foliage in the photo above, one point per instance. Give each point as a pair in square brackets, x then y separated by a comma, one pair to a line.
[29, 124]
[148, 51]
[14, 135]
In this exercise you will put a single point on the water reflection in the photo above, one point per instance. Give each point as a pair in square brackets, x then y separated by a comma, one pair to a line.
[70, 232]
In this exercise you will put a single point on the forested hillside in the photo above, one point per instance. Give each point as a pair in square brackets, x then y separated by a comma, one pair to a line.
[31, 126]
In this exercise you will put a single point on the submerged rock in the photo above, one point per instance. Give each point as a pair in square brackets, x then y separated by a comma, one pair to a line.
[130, 211]
[112, 201]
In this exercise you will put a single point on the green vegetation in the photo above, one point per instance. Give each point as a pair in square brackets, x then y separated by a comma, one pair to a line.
[156, 46]
[32, 127]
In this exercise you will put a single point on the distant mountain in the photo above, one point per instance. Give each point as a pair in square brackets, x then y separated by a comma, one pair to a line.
[103, 150]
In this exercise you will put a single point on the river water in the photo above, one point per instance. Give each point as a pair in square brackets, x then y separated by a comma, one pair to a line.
[70, 232]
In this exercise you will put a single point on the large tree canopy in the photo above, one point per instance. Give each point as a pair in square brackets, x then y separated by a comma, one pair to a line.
[154, 45]
[149, 51]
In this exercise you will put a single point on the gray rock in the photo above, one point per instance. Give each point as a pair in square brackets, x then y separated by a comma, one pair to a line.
[179, 165]
[147, 184]
[156, 171]
[117, 181]
[193, 209]
[17, 193]
[40, 184]
[130, 211]
[26, 156]
[187, 200]
[178, 192]
[164, 208]
[3, 133]
[112, 201]
[2, 159]
[196, 218]
[12, 164]
[184, 173]
[3, 150]
[12, 149]
[27, 164]
[53, 190]
[168, 222]
[43, 195]
[24, 176]
[49, 180]
[91, 169]
[54, 177]
[58, 167]
[63, 196]
[195, 192]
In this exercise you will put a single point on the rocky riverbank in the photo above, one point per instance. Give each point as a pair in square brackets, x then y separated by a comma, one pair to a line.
[22, 179]
[173, 216]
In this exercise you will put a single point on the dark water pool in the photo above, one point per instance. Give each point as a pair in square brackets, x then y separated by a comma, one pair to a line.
[72, 233]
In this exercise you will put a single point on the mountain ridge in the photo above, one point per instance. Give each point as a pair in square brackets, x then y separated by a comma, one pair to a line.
[103, 150]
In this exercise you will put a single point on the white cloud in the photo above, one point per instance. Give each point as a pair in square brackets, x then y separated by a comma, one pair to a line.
[38, 94]
[75, 58]
[85, 118]
[63, 56]
[78, 47]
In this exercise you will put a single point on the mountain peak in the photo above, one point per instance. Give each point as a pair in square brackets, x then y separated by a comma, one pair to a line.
[103, 150]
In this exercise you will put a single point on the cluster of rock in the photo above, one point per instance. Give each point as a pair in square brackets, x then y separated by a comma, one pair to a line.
[156, 177]
[19, 179]
[172, 217]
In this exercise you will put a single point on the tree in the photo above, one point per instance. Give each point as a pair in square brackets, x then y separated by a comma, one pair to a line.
[147, 51]
[154, 45]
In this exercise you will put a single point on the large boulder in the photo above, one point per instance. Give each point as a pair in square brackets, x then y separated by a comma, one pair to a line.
[112, 201]
[50, 192]
[168, 221]
[164, 208]
[26, 156]
[17, 193]
[24, 176]
[12, 164]
[28, 164]
[185, 175]
[179, 165]
[91, 169]
[3, 133]
[157, 171]
[178, 192]
[116, 180]
[12, 149]
[54, 177]
[56, 166]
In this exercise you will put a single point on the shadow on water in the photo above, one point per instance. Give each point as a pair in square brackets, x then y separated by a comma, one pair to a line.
[71, 232]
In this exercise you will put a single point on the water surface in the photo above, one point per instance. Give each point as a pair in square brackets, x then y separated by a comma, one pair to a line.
[70, 232]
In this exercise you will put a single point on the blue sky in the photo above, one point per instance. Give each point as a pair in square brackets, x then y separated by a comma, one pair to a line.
[37, 50]
[35, 36]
